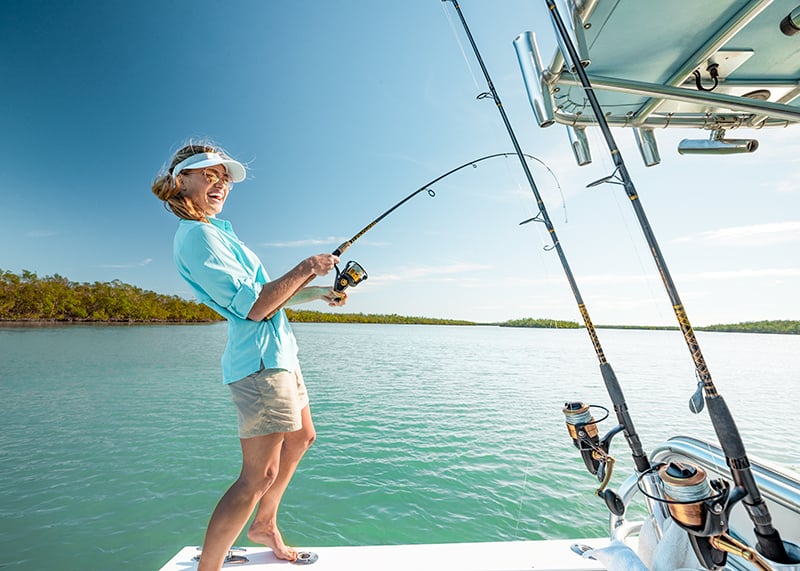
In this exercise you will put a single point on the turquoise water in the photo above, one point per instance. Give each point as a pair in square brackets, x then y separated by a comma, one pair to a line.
[116, 442]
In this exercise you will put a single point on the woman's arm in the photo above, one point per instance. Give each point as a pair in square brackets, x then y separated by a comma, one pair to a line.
[313, 293]
[277, 292]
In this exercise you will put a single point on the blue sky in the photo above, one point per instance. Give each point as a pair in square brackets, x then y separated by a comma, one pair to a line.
[341, 109]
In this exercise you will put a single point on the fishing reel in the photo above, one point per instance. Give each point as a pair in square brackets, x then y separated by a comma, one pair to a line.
[702, 508]
[352, 275]
[582, 428]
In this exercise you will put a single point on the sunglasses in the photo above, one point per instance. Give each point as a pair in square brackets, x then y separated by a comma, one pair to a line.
[213, 177]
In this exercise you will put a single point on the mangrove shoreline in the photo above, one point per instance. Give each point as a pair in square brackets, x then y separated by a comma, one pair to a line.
[28, 300]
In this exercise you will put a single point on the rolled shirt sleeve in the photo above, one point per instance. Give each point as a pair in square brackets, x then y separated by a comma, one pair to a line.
[228, 277]
[218, 270]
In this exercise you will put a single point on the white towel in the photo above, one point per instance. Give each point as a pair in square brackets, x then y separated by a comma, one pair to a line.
[617, 557]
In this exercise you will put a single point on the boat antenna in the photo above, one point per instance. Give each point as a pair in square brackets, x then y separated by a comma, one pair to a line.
[769, 541]
[613, 387]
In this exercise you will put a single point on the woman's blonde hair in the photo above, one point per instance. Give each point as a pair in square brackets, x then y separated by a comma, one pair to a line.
[165, 186]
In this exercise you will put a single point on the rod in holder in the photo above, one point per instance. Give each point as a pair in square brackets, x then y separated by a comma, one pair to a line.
[609, 377]
[577, 38]
[769, 542]
[702, 508]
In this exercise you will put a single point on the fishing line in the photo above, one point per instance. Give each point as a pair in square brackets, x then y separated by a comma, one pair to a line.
[521, 502]
[606, 165]
[595, 465]
[460, 46]
[353, 273]
[494, 134]
[637, 253]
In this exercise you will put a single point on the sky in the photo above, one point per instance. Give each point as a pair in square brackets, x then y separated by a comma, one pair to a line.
[340, 110]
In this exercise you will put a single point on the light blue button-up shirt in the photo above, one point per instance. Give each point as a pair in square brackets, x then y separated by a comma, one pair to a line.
[227, 276]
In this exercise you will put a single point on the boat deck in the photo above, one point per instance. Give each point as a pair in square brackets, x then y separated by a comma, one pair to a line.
[549, 555]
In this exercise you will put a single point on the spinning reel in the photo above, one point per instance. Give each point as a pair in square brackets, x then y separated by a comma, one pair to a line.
[702, 508]
[582, 429]
[352, 275]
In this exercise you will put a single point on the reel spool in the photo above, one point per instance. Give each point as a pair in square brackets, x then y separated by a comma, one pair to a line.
[702, 508]
[688, 485]
[582, 428]
[352, 275]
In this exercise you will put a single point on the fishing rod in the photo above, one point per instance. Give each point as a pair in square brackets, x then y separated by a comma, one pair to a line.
[581, 425]
[769, 542]
[354, 273]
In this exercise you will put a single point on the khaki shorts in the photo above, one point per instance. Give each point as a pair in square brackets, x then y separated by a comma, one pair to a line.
[269, 401]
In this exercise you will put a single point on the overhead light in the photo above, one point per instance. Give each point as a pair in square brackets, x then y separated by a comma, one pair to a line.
[759, 95]
[717, 145]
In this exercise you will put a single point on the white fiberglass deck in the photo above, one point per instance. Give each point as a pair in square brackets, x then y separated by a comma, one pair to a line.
[554, 555]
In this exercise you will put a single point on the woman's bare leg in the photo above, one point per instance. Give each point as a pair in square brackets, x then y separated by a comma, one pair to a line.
[264, 528]
[260, 471]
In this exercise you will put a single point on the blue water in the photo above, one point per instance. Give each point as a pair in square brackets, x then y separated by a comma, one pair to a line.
[116, 442]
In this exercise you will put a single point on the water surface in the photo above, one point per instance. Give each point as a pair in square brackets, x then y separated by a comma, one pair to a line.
[116, 442]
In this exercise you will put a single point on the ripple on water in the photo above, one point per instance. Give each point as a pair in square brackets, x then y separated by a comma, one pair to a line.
[442, 434]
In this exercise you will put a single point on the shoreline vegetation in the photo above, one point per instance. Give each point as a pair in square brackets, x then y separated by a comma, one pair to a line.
[27, 299]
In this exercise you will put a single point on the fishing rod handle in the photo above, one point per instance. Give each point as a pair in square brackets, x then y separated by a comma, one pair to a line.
[342, 248]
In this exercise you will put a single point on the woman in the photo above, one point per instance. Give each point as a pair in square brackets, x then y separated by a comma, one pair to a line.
[260, 363]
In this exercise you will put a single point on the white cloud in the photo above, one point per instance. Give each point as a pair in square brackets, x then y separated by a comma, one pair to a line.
[620, 279]
[306, 242]
[140, 264]
[747, 273]
[329, 241]
[755, 235]
[434, 273]
[40, 233]
[782, 186]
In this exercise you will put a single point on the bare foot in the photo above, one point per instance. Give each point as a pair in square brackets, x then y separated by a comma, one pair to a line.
[273, 540]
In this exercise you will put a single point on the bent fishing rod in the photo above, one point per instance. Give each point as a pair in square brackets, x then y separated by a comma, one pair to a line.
[613, 387]
[353, 273]
[730, 440]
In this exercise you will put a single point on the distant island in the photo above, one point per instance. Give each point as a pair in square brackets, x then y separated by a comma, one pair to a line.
[27, 298]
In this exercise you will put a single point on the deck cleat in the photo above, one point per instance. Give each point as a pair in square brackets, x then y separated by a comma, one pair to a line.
[230, 558]
[306, 558]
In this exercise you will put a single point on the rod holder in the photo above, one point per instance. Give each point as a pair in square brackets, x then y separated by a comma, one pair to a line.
[790, 25]
[534, 78]
[648, 147]
[574, 26]
[580, 145]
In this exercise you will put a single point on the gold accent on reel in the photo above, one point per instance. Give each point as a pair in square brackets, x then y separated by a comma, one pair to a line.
[691, 515]
[730, 545]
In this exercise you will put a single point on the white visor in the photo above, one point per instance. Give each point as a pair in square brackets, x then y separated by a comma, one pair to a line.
[201, 160]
